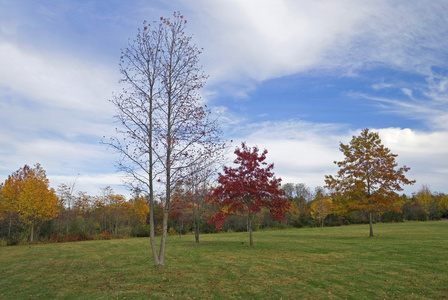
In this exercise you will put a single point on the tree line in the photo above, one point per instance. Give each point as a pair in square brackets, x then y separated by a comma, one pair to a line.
[32, 211]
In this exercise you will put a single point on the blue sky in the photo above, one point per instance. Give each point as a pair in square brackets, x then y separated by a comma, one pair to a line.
[294, 77]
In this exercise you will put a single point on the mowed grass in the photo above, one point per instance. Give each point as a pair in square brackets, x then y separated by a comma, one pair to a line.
[404, 260]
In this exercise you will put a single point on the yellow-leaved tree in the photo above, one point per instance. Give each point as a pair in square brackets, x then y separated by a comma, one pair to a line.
[321, 206]
[30, 197]
[368, 177]
[443, 204]
[428, 202]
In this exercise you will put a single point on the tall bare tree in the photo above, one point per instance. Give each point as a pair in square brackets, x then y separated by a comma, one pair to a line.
[164, 128]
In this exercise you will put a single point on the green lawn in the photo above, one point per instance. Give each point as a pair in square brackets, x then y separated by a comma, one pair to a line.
[404, 260]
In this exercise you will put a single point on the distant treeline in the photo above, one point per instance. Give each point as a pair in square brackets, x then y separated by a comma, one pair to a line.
[83, 217]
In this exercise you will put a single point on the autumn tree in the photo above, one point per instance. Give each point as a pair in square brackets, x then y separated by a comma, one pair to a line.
[163, 126]
[140, 210]
[443, 204]
[321, 206]
[29, 195]
[248, 188]
[428, 202]
[180, 209]
[7, 210]
[299, 195]
[368, 177]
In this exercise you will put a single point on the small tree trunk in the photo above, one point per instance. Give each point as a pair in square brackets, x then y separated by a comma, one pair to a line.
[370, 223]
[196, 231]
[249, 224]
[67, 222]
[32, 233]
[9, 227]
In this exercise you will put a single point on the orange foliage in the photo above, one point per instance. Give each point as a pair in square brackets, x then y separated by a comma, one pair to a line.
[367, 179]
[28, 194]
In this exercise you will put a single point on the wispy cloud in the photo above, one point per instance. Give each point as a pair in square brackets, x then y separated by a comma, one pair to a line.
[381, 85]
[429, 104]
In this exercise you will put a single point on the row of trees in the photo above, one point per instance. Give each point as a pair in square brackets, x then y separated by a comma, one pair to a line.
[318, 208]
[29, 209]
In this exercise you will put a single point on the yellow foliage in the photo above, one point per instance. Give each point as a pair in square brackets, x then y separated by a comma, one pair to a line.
[225, 209]
[27, 194]
[141, 209]
[425, 199]
[320, 208]
[443, 204]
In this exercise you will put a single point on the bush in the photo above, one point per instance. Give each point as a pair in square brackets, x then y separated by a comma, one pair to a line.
[142, 231]
[13, 240]
[123, 232]
[106, 235]
[391, 216]
[159, 230]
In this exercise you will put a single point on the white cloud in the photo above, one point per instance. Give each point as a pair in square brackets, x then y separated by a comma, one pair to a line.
[407, 92]
[55, 79]
[424, 152]
[259, 40]
[250, 41]
[92, 183]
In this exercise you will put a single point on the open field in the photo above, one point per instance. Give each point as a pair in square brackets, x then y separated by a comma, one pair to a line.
[404, 260]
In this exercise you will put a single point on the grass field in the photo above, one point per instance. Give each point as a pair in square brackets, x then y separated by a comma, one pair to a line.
[404, 260]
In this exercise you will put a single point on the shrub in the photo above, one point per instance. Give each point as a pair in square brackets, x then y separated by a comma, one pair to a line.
[123, 232]
[142, 231]
[106, 235]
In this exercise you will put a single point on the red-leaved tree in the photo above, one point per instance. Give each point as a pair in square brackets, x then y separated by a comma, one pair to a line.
[248, 188]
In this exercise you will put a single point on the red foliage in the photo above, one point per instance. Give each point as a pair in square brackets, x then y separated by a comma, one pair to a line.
[248, 188]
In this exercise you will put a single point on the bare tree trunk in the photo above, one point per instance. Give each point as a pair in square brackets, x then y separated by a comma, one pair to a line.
[151, 218]
[152, 235]
[163, 239]
[370, 223]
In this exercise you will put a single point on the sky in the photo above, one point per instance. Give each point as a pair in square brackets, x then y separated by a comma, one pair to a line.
[294, 77]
